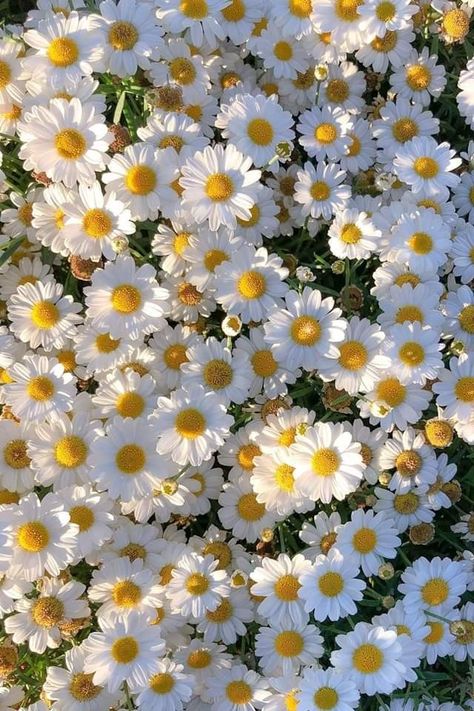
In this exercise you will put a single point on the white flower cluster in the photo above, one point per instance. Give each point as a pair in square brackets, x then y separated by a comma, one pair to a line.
[238, 330]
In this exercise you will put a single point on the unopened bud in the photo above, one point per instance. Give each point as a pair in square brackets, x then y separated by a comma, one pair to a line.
[338, 267]
[386, 571]
[421, 534]
[267, 535]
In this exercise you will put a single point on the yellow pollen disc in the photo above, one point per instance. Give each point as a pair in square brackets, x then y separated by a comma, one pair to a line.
[436, 633]
[182, 71]
[124, 650]
[287, 186]
[83, 517]
[304, 80]
[140, 179]
[409, 313]
[325, 698]
[290, 701]
[70, 451]
[331, 584]
[421, 243]
[284, 477]
[180, 242]
[213, 258]
[175, 142]
[126, 299]
[162, 683]
[5, 74]
[260, 132]
[62, 52]
[47, 612]
[175, 355]
[45, 314]
[229, 80]
[391, 391]
[464, 389]
[367, 659]
[366, 454]
[28, 279]
[222, 613]
[67, 360]
[351, 234]
[408, 463]
[59, 218]
[194, 9]
[190, 423]
[287, 437]
[439, 433]
[305, 330]
[286, 588]
[249, 509]
[283, 51]
[33, 537]
[404, 129]
[188, 294]
[337, 91]
[40, 388]
[70, 144]
[247, 454]
[327, 542]
[411, 279]
[456, 23]
[353, 355]
[325, 462]
[126, 594]
[235, 11]
[217, 374]
[347, 10]
[130, 405]
[219, 187]
[300, 8]
[199, 659]
[259, 27]
[251, 285]
[385, 11]
[123, 36]
[418, 77]
[466, 319]
[220, 551]
[105, 344]
[130, 459]
[14, 454]
[364, 540]
[166, 574]
[325, 133]
[406, 504]
[426, 167]
[289, 644]
[264, 364]
[238, 692]
[96, 223]
[82, 688]
[402, 629]
[355, 146]
[435, 592]
[320, 191]
[25, 213]
[411, 354]
[197, 584]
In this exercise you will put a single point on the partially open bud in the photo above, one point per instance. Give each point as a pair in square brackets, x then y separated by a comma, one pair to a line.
[421, 534]
[439, 433]
[386, 571]
[83, 269]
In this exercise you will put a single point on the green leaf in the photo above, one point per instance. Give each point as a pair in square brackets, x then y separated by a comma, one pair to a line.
[119, 107]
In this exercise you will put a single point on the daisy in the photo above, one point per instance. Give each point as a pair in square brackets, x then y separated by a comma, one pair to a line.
[16, 473]
[436, 495]
[39, 537]
[411, 629]
[422, 239]
[98, 351]
[250, 283]
[125, 395]
[284, 647]
[308, 328]
[171, 244]
[217, 186]
[461, 253]
[72, 688]
[352, 235]
[39, 388]
[12, 84]
[38, 620]
[28, 271]
[284, 56]
[407, 304]
[278, 582]
[228, 620]
[426, 166]
[362, 148]
[48, 217]
[399, 122]
[463, 629]
[405, 509]
[182, 69]
[465, 527]
[342, 20]
[320, 190]
[41, 316]
[330, 586]
[199, 18]
[459, 309]
[67, 141]
[367, 539]
[343, 87]
[263, 221]
[173, 131]
[11, 590]
[172, 346]
[141, 177]
[322, 536]
[326, 689]
[197, 586]
[463, 197]
[327, 462]
[433, 584]
[380, 16]
[392, 403]
[439, 641]
[455, 388]
[203, 660]
[41, 91]
[371, 657]
[192, 424]
[209, 480]
[186, 302]
[414, 352]
[17, 221]
[240, 450]
[91, 512]
[123, 649]
[323, 132]
[273, 481]
[238, 19]
[414, 461]
[205, 252]
[419, 78]
[256, 125]
[125, 301]
[240, 511]
[167, 689]
[237, 689]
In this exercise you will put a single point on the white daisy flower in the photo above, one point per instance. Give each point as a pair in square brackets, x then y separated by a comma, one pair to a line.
[180, 68]
[412, 458]
[48, 217]
[285, 56]
[426, 166]
[278, 582]
[322, 536]
[414, 351]
[237, 689]
[171, 346]
[284, 647]
[173, 130]
[17, 221]
[273, 481]
[406, 510]
[197, 585]
[352, 235]
[98, 351]
[461, 253]
[91, 512]
[367, 539]
[380, 16]
[419, 78]
[320, 190]
[455, 388]
[422, 239]
[411, 304]
[16, 473]
[392, 403]
[459, 309]
[28, 271]
[199, 18]
[439, 641]
[12, 73]
[203, 660]
[342, 20]
[362, 149]
[400, 122]
[240, 511]
[166, 690]
[323, 132]
[238, 19]
[326, 689]
[125, 395]
[343, 87]
[228, 620]
[240, 450]
[433, 584]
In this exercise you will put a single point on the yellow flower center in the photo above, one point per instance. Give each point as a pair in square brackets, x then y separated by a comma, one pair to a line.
[404, 129]
[367, 659]
[337, 91]
[290, 700]
[105, 344]
[439, 433]
[385, 11]
[286, 588]
[391, 391]
[217, 374]
[247, 454]
[96, 223]
[325, 462]
[406, 504]
[305, 330]
[325, 698]
[353, 355]
[260, 132]
[300, 8]
[351, 234]
[5, 74]
[126, 594]
[235, 11]
[162, 683]
[421, 243]
[249, 509]
[220, 551]
[436, 633]
[464, 389]
[289, 644]
[189, 295]
[130, 459]
[331, 584]
[435, 591]
[25, 213]
[466, 319]
[456, 23]
[190, 423]
[238, 692]
[15, 456]
[194, 9]
[366, 454]
[140, 179]
[175, 355]
[70, 451]
[33, 536]
[124, 650]
[130, 405]
[327, 542]
[82, 516]
[411, 353]
[133, 551]
[264, 364]
[251, 285]
[426, 167]
[364, 540]
[47, 612]
[182, 71]
[219, 187]
[62, 52]
[45, 314]
[175, 142]
[409, 313]
[197, 584]
[123, 35]
[126, 298]
[222, 613]
[199, 659]
[320, 191]
[411, 279]
[67, 360]
[283, 51]
[325, 133]
[70, 144]
[40, 388]
[284, 477]
[418, 77]
[213, 258]
[355, 146]
[82, 688]
[180, 242]
[347, 10]
[408, 463]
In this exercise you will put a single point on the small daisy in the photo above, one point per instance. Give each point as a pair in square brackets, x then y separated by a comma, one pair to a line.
[433, 584]
[342, 20]
[419, 77]
[48, 217]
[197, 585]
[324, 133]
[98, 351]
[412, 458]
[394, 404]
[284, 647]
[352, 235]
[367, 539]
[414, 352]
[125, 395]
[184, 70]
[17, 221]
[321, 190]
[173, 131]
[422, 239]
[199, 18]
[172, 348]
[455, 388]
[405, 509]
[278, 582]
[273, 481]
[322, 536]
[28, 271]
[408, 304]
[326, 689]
[400, 122]
[91, 512]
[228, 621]
[426, 166]
[285, 56]
[237, 689]
[16, 473]
[459, 310]
[168, 689]
[240, 511]
[380, 16]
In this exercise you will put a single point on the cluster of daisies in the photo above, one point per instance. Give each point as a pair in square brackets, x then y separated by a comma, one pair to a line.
[236, 356]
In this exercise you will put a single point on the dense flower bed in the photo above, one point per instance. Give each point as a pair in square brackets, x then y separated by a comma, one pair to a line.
[236, 370]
